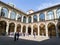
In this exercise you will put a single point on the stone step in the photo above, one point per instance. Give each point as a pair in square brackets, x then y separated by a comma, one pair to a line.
[36, 38]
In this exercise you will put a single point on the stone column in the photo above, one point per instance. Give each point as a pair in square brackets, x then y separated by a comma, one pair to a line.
[7, 28]
[38, 30]
[22, 19]
[55, 13]
[26, 28]
[16, 16]
[31, 29]
[38, 17]
[46, 30]
[45, 15]
[57, 32]
[21, 28]
[32, 18]
[9, 13]
[15, 29]
[27, 20]
[0, 10]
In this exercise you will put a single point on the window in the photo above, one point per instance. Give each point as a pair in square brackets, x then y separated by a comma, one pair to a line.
[58, 13]
[19, 18]
[24, 19]
[4, 12]
[41, 17]
[13, 15]
[50, 15]
[35, 18]
[29, 20]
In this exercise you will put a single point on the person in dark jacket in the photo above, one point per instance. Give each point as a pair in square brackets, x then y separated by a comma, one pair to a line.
[15, 37]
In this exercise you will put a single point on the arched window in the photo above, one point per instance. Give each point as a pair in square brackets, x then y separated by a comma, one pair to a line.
[4, 12]
[42, 17]
[50, 15]
[58, 13]
[35, 18]
[19, 18]
[29, 20]
[24, 19]
[13, 15]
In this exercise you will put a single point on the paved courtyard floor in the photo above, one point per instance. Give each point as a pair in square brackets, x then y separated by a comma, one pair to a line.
[10, 41]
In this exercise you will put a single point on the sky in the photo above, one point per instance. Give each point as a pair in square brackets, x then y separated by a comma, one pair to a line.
[35, 5]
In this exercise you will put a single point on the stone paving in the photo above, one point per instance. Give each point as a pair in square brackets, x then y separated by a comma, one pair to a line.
[10, 41]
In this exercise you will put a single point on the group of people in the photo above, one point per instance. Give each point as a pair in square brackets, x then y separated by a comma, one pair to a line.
[16, 36]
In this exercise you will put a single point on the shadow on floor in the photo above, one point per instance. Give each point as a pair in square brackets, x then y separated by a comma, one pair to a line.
[10, 41]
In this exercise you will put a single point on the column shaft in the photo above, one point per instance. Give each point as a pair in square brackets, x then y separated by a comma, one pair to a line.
[27, 20]
[57, 32]
[38, 17]
[21, 28]
[16, 16]
[45, 15]
[31, 29]
[32, 19]
[7, 28]
[55, 14]
[46, 30]
[9, 13]
[15, 29]
[22, 19]
[38, 30]
[26, 29]
[0, 10]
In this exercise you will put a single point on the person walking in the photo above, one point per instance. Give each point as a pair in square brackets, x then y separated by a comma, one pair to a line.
[15, 36]
[34, 34]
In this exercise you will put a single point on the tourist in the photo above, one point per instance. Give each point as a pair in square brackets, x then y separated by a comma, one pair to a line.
[34, 34]
[15, 36]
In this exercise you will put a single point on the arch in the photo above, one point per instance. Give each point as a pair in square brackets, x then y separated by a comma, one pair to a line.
[24, 29]
[41, 17]
[42, 30]
[58, 13]
[18, 28]
[35, 18]
[11, 28]
[3, 25]
[50, 15]
[35, 29]
[29, 30]
[24, 19]
[58, 26]
[51, 30]
[13, 15]
[4, 12]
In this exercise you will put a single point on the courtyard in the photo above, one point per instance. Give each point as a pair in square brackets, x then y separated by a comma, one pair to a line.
[4, 40]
